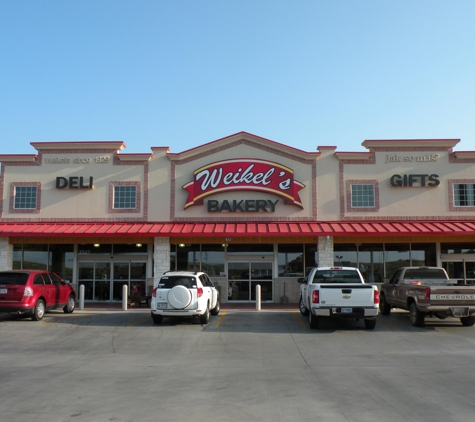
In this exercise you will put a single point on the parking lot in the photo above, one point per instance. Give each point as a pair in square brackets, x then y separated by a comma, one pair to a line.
[112, 365]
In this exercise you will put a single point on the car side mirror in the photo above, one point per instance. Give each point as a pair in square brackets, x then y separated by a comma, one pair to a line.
[302, 280]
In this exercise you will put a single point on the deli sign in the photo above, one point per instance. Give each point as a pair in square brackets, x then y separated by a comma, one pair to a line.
[243, 174]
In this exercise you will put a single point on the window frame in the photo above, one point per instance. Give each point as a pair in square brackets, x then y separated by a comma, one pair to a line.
[113, 185]
[452, 197]
[13, 188]
[349, 196]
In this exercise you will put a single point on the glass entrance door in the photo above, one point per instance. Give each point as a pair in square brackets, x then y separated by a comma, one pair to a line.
[96, 277]
[104, 280]
[460, 266]
[244, 276]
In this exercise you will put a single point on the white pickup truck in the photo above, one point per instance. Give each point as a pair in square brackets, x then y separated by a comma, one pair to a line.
[338, 291]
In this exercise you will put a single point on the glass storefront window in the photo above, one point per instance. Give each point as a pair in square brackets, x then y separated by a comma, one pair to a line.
[423, 254]
[173, 257]
[130, 249]
[35, 257]
[95, 249]
[212, 260]
[17, 257]
[456, 248]
[188, 258]
[396, 255]
[310, 254]
[290, 260]
[345, 255]
[370, 262]
[250, 249]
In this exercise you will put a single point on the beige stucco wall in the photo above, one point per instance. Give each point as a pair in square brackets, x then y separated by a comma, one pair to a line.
[428, 202]
[77, 204]
[302, 173]
[162, 174]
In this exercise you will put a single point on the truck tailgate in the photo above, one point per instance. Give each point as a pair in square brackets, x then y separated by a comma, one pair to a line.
[341, 295]
[463, 295]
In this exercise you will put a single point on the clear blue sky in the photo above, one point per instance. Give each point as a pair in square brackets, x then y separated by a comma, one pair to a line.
[181, 73]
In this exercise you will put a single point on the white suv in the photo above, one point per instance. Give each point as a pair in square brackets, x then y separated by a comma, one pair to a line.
[184, 294]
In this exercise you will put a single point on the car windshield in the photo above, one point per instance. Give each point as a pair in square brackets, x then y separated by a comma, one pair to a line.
[14, 278]
[336, 276]
[167, 282]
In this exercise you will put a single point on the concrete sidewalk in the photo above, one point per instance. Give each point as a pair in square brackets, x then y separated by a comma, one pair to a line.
[117, 306]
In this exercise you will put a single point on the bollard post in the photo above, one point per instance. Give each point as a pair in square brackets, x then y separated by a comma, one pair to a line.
[258, 297]
[124, 297]
[81, 297]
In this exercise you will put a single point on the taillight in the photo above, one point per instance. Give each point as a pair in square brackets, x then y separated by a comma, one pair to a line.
[200, 291]
[28, 291]
[154, 292]
[315, 296]
[427, 293]
[376, 297]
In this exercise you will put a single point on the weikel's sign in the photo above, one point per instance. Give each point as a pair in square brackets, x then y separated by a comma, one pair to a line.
[243, 175]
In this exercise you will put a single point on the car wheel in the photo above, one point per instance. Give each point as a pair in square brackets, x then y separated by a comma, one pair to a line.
[468, 321]
[416, 317]
[69, 307]
[370, 323]
[384, 306]
[157, 319]
[216, 309]
[39, 311]
[204, 319]
[303, 309]
[313, 321]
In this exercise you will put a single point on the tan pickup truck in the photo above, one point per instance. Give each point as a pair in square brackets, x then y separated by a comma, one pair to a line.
[428, 291]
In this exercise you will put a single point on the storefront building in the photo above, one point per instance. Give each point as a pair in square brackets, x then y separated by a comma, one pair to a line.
[244, 209]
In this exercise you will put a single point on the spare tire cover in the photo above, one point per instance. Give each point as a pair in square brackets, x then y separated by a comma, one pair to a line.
[179, 297]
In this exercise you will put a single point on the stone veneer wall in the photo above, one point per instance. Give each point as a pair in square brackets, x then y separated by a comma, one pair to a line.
[6, 254]
[161, 257]
[325, 251]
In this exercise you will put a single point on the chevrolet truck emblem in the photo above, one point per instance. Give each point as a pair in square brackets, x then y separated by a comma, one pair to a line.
[346, 297]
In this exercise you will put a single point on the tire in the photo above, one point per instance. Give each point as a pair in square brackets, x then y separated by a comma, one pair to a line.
[39, 312]
[370, 323]
[468, 321]
[384, 306]
[416, 317]
[204, 319]
[69, 307]
[179, 297]
[157, 319]
[216, 309]
[303, 309]
[312, 321]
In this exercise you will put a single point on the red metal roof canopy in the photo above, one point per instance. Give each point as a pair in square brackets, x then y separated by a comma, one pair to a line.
[184, 229]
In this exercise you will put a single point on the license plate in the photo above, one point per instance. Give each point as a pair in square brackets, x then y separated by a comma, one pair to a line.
[3, 291]
[161, 306]
[346, 310]
[459, 312]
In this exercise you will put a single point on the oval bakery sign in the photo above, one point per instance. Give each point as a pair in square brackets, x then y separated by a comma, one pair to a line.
[243, 175]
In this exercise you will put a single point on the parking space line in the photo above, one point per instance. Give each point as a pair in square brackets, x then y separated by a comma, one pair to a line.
[138, 321]
[380, 321]
[297, 315]
[223, 313]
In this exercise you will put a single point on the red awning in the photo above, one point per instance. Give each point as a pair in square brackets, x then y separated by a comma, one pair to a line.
[183, 229]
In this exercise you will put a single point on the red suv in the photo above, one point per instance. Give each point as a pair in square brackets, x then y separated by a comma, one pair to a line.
[32, 292]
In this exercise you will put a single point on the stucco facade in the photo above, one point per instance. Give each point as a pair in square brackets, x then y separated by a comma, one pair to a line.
[240, 190]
